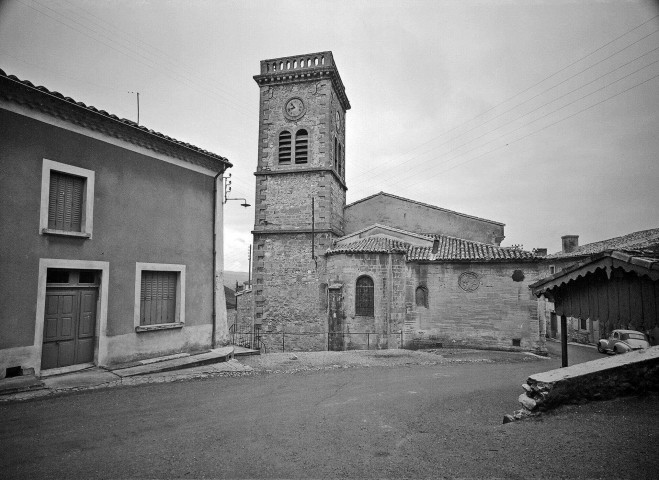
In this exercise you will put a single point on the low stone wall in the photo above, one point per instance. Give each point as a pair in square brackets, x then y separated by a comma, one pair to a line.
[610, 377]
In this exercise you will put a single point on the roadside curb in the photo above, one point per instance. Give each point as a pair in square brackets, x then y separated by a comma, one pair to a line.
[99, 378]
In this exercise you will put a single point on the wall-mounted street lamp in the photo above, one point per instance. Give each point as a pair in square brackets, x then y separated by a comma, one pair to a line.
[227, 190]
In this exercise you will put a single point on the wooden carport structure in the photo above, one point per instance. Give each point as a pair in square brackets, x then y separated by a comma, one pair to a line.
[620, 289]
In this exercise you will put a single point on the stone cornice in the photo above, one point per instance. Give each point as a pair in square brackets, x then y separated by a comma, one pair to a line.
[269, 230]
[301, 68]
[303, 170]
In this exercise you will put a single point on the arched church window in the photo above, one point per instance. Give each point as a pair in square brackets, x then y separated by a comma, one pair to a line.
[301, 146]
[285, 147]
[364, 296]
[421, 296]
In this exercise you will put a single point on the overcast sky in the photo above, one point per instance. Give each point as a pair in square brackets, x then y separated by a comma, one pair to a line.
[543, 115]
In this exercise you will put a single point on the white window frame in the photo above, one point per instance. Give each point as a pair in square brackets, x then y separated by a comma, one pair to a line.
[180, 295]
[87, 223]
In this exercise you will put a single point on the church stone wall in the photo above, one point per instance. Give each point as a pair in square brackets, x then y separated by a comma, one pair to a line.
[285, 201]
[420, 218]
[288, 292]
[478, 305]
[388, 275]
[316, 121]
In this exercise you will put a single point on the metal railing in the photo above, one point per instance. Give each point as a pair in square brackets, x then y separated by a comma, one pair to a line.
[248, 339]
[282, 341]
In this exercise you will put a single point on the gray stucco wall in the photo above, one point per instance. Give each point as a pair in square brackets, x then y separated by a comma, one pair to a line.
[145, 210]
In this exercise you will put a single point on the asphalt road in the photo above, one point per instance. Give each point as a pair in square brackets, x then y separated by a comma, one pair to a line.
[411, 421]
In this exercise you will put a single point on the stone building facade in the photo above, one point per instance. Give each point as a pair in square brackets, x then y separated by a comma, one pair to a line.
[382, 272]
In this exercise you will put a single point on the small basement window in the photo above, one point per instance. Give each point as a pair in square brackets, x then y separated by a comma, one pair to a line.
[13, 372]
[517, 342]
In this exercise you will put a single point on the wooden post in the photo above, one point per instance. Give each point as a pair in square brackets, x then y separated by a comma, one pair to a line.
[564, 340]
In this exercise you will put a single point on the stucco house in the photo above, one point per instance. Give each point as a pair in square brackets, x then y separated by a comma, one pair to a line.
[582, 328]
[110, 237]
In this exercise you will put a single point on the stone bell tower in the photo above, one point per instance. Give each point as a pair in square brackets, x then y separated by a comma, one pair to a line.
[301, 163]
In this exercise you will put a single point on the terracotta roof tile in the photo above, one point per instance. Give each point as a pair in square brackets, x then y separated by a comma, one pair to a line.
[637, 241]
[449, 249]
[53, 94]
[371, 245]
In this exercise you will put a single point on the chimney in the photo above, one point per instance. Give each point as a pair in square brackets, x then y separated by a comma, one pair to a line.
[540, 252]
[435, 245]
[570, 243]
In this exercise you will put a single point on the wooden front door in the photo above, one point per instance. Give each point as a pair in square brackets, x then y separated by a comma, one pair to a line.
[70, 321]
[335, 321]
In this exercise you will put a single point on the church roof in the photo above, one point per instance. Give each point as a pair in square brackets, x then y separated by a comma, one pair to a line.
[371, 245]
[449, 249]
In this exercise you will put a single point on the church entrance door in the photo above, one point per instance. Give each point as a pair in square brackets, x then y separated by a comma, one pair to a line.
[335, 321]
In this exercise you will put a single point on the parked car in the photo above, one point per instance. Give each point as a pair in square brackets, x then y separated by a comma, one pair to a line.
[623, 341]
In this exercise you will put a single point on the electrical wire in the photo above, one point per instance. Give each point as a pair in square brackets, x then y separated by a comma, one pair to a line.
[396, 164]
[543, 128]
[398, 180]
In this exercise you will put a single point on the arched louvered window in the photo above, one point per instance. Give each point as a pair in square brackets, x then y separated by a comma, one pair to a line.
[364, 297]
[301, 146]
[421, 296]
[285, 147]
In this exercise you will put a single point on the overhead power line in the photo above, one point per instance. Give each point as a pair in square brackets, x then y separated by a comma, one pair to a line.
[130, 51]
[411, 173]
[508, 143]
[379, 169]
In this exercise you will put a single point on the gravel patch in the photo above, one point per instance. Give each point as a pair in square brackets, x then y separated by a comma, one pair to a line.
[294, 362]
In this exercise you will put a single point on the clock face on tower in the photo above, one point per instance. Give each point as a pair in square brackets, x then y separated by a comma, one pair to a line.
[294, 108]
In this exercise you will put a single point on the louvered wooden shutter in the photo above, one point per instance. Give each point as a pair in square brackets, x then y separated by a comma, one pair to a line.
[301, 146]
[158, 298]
[285, 147]
[65, 202]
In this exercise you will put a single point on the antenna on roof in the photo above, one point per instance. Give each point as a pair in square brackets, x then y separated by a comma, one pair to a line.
[138, 106]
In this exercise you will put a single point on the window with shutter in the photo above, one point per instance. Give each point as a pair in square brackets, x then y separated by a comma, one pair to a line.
[65, 202]
[158, 297]
[285, 147]
[364, 297]
[301, 146]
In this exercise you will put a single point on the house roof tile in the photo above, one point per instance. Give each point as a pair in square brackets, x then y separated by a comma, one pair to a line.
[42, 96]
[644, 240]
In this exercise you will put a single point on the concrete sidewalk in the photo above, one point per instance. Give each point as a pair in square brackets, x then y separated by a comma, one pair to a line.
[167, 369]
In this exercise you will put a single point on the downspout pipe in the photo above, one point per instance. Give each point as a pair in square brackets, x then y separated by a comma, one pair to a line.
[216, 273]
